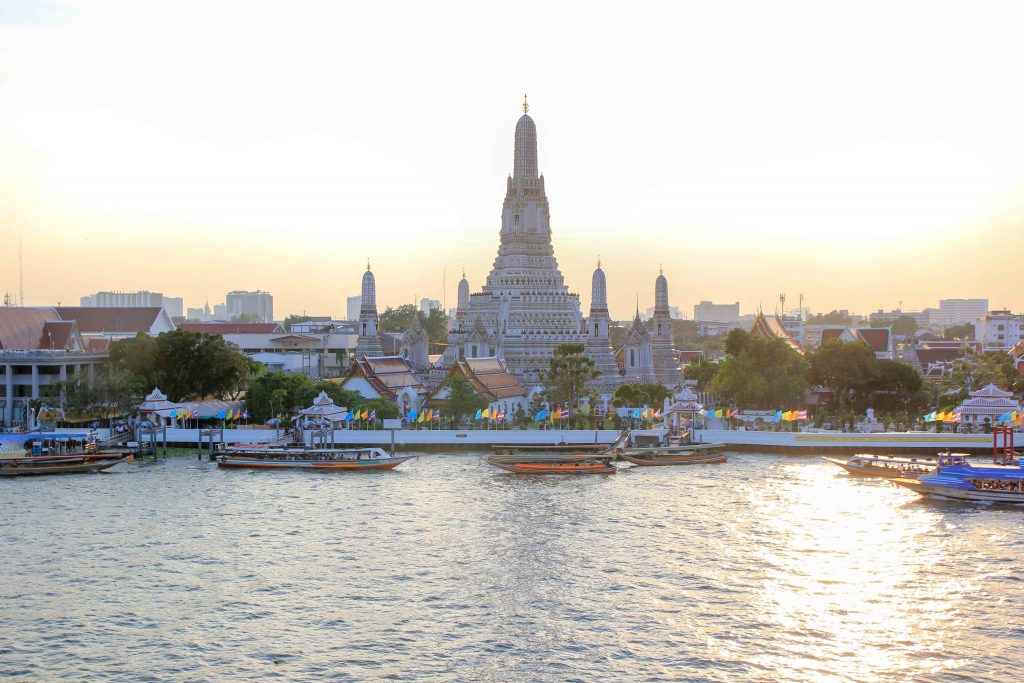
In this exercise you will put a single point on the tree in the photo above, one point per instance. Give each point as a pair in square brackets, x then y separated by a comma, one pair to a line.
[847, 368]
[282, 394]
[397, 319]
[246, 318]
[833, 318]
[974, 371]
[904, 326]
[897, 387]
[760, 373]
[568, 374]
[636, 395]
[703, 371]
[462, 398]
[964, 331]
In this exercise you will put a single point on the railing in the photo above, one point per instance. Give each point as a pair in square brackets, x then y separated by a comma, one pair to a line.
[45, 354]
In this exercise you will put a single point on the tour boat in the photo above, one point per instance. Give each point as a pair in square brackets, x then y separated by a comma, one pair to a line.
[656, 457]
[553, 464]
[336, 459]
[889, 468]
[60, 464]
[956, 478]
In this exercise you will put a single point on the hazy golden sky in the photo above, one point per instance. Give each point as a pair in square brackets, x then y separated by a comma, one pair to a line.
[863, 155]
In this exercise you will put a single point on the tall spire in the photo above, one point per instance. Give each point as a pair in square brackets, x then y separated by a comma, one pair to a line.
[525, 167]
[526, 105]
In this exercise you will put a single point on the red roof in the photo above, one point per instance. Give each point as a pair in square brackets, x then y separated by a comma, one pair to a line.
[232, 328]
[123, 319]
[21, 329]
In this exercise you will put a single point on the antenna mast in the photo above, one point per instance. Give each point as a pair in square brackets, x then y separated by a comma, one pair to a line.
[21, 277]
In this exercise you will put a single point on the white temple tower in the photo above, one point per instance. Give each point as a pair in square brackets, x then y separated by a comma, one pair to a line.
[525, 308]
[598, 346]
[368, 344]
[666, 365]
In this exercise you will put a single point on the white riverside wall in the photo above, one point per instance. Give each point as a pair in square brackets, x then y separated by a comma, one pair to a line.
[822, 441]
[418, 437]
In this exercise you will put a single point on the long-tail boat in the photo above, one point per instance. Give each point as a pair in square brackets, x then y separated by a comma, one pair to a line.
[329, 459]
[60, 464]
[888, 468]
[554, 464]
[657, 458]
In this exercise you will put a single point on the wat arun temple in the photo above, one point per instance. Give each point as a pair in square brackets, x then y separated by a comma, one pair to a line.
[525, 310]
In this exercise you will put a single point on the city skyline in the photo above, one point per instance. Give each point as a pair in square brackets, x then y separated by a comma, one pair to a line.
[794, 179]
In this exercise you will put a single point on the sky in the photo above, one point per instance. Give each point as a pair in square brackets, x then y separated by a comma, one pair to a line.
[866, 155]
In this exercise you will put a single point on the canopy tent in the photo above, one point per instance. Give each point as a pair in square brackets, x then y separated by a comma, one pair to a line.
[324, 408]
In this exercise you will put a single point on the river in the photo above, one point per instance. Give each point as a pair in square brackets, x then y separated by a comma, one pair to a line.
[766, 568]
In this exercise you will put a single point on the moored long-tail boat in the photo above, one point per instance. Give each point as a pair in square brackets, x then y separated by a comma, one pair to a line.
[60, 464]
[334, 460]
[699, 450]
[656, 459]
[559, 464]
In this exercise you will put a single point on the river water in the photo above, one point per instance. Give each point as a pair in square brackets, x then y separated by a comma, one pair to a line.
[766, 568]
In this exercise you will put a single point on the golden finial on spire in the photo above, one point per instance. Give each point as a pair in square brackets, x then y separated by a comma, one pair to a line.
[367, 264]
[598, 260]
[661, 271]
[526, 105]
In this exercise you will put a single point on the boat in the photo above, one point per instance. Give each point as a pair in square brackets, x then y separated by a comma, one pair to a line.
[958, 479]
[60, 464]
[328, 459]
[889, 468]
[554, 464]
[659, 458]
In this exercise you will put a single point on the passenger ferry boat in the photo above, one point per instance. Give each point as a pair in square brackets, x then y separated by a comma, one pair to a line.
[554, 464]
[889, 468]
[956, 478]
[330, 459]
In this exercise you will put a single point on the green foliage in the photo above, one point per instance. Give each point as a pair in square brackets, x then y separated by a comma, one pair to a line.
[904, 325]
[282, 394]
[703, 372]
[108, 395]
[847, 368]
[462, 398]
[246, 318]
[963, 331]
[832, 318]
[974, 371]
[184, 365]
[759, 373]
[637, 395]
[896, 388]
[568, 374]
[399, 319]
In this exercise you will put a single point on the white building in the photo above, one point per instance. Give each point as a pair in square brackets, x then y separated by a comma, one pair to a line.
[427, 305]
[258, 303]
[963, 310]
[999, 330]
[706, 311]
[352, 307]
[141, 299]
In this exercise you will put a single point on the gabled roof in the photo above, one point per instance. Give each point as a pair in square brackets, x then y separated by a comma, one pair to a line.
[60, 335]
[991, 391]
[770, 327]
[388, 375]
[21, 329]
[878, 338]
[233, 328]
[112, 319]
[490, 378]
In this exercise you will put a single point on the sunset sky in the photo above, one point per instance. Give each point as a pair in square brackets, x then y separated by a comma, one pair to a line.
[750, 148]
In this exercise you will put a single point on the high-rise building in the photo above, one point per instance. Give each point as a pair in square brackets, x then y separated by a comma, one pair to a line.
[716, 313]
[427, 305]
[352, 306]
[258, 303]
[141, 299]
[963, 310]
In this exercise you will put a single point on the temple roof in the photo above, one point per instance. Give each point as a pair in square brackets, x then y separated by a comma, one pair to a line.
[388, 375]
[232, 328]
[877, 338]
[112, 319]
[489, 378]
[770, 327]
